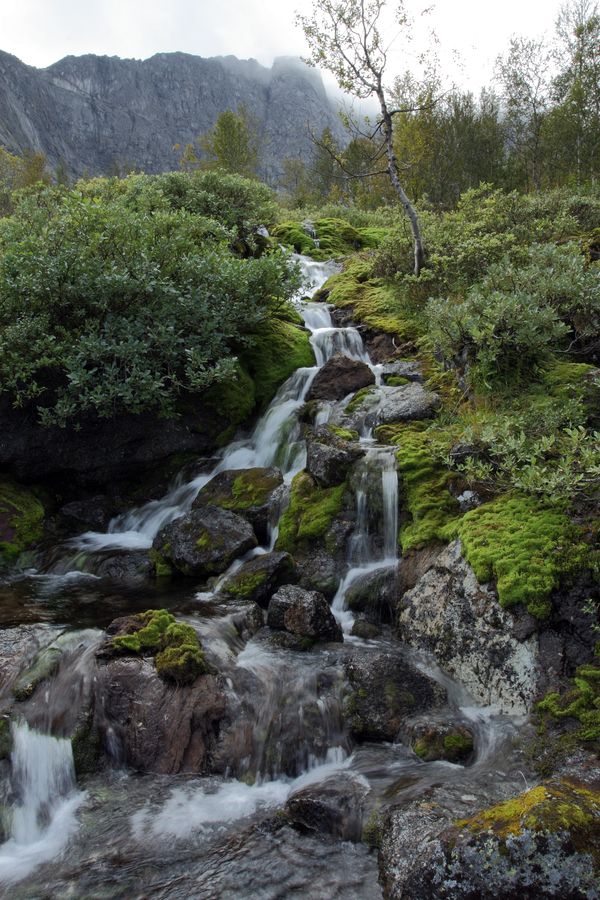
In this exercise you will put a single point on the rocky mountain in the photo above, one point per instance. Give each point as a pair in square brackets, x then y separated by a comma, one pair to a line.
[98, 114]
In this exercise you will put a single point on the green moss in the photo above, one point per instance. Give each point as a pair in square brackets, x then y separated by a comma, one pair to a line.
[335, 237]
[310, 512]
[87, 748]
[274, 354]
[551, 807]
[253, 487]
[424, 482]
[203, 540]
[372, 833]
[357, 400]
[233, 399]
[522, 544]
[345, 434]
[580, 704]
[397, 381]
[244, 585]
[177, 650]
[21, 521]
[162, 567]
[458, 744]
[292, 235]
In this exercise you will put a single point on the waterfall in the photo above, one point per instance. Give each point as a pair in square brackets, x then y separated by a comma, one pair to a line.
[43, 817]
[389, 490]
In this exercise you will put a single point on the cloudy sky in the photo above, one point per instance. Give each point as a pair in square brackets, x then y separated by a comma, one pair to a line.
[42, 31]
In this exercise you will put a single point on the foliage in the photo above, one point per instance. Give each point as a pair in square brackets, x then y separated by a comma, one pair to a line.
[175, 646]
[21, 520]
[118, 303]
[333, 237]
[233, 145]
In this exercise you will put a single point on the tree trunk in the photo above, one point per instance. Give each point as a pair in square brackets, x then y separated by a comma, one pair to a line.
[392, 165]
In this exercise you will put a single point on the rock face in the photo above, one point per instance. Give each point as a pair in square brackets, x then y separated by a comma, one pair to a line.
[154, 726]
[305, 614]
[339, 377]
[249, 492]
[385, 690]
[461, 622]
[100, 113]
[205, 541]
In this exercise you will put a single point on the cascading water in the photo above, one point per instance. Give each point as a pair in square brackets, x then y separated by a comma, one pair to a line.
[46, 800]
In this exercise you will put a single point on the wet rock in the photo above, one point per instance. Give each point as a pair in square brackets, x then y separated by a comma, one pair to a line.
[259, 578]
[249, 620]
[387, 405]
[333, 807]
[402, 368]
[319, 571]
[46, 662]
[305, 614]
[153, 725]
[435, 740]
[339, 377]
[364, 629]
[205, 541]
[384, 690]
[251, 493]
[542, 843]
[329, 457]
[93, 514]
[380, 346]
[18, 648]
[126, 565]
[461, 622]
[374, 595]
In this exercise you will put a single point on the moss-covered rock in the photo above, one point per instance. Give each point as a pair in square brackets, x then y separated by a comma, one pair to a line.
[21, 521]
[453, 743]
[259, 578]
[579, 706]
[332, 237]
[273, 354]
[248, 492]
[310, 513]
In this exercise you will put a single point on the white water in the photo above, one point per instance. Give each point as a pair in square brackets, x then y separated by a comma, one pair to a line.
[44, 818]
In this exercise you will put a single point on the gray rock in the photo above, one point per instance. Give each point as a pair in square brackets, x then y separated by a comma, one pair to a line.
[402, 368]
[303, 613]
[384, 690]
[100, 113]
[374, 594]
[461, 622]
[259, 578]
[318, 571]
[329, 457]
[386, 405]
[205, 541]
[333, 807]
[251, 493]
[339, 377]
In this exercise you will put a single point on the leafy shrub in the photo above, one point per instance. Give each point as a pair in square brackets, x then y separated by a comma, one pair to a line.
[106, 308]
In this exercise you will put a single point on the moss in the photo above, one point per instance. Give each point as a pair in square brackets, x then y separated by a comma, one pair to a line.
[334, 237]
[397, 380]
[87, 748]
[372, 832]
[21, 521]
[581, 704]
[521, 543]
[457, 743]
[162, 567]
[292, 235]
[203, 540]
[245, 585]
[175, 645]
[233, 399]
[253, 487]
[424, 482]
[182, 663]
[357, 400]
[274, 354]
[345, 434]
[44, 666]
[551, 807]
[310, 512]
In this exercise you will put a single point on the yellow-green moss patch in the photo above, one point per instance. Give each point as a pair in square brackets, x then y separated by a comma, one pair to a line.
[21, 520]
[175, 645]
[310, 512]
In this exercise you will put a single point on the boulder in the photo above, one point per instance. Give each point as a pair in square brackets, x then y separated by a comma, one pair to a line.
[449, 614]
[375, 595]
[402, 368]
[384, 690]
[259, 578]
[339, 377]
[329, 457]
[333, 807]
[205, 541]
[305, 614]
[386, 405]
[250, 493]
[432, 741]
[153, 725]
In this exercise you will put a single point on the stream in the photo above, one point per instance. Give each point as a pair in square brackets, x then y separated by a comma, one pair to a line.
[121, 834]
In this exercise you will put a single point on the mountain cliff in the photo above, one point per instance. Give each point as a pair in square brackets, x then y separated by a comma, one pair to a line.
[100, 113]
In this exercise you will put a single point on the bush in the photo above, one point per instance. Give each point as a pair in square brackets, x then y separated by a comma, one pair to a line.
[106, 307]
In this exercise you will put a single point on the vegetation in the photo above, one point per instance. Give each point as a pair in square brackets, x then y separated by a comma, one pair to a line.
[21, 521]
[232, 145]
[175, 646]
[310, 513]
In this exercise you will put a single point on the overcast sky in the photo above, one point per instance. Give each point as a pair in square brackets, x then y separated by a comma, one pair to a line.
[40, 32]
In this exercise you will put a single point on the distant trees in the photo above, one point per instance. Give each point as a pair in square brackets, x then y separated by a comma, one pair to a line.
[232, 144]
[19, 172]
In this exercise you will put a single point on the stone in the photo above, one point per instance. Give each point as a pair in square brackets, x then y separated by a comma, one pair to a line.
[259, 578]
[305, 614]
[449, 614]
[375, 595]
[387, 405]
[329, 457]
[432, 741]
[402, 368]
[205, 541]
[251, 493]
[383, 691]
[339, 377]
[88, 515]
[153, 725]
[333, 807]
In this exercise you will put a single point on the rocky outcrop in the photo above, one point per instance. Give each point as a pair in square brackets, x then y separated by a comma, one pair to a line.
[205, 541]
[461, 622]
[305, 614]
[384, 690]
[101, 114]
[329, 457]
[250, 493]
[339, 377]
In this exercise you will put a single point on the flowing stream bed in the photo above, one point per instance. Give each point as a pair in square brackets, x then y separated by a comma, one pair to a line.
[120, 834]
